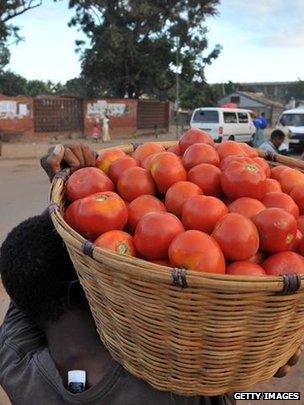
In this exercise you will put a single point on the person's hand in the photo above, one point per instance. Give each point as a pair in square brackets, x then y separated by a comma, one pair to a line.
[283, 371]
[72, 156]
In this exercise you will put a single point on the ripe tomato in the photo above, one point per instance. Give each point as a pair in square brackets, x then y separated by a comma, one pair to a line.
[147, 149]
[208, 178]
[277, 229]
[237, 236]
[264, 165]
[167, 169]
[100, 213]
[248, 207]
[250, 152]
[106, 157]
[178, 194]
[200, 153]
[198, 251]
[281, 200]
[228, 148]
[245, 269]
[119, 166]
[284, 263]
[70, 215]
[277, 170]
[241, 179]
[141, 206]
[297, 242]
[87, 181]
[118, 241]
[146, 163]
[273, 186]
[154, 234]
[202, 213]
[227, 160]
[301, 223]
[258, 258]
[134, 182]
[174, 149]
[291, 178]
[192, 136]
[297, 194]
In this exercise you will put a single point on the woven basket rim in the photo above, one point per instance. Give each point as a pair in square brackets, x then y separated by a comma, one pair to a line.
[147, 271]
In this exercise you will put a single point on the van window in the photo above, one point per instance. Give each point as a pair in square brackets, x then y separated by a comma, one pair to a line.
[206, 116]
[243, 118]
[293, 120]
[230, 118]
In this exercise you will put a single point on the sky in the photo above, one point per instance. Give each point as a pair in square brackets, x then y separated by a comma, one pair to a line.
[262, 41]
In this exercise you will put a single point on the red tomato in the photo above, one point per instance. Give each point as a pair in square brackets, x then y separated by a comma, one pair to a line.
[277, 229]
[174, 149]
[192, 136]
[106, 157]
[264, 165]
[245, 269]
[284, 263]
[134, 182]
[277, 170]
[70, 215]
[258, 258]
[147, 149]
[281, 200]
[241, 179]
[301, 223]
[198, 251]
[228, 148]
[202, 213]
[200, 153]
[227, 160]
[297, 242]
[146, 163]
[297, 194]
[291, 178]
[250, 152]
[273, 186]
[167, 169]
[178, 194]
[87, 181]
[118, 241]
[248, 207]
[154, 234]
[208, 178]
[141, 206]
[237, 237]
[100, 213]
[120, 166]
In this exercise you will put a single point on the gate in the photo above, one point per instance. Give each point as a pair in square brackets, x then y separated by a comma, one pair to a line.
[153, 114]
[58, 114]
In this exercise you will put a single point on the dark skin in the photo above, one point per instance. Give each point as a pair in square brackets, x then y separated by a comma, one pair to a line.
[73, 341]
[277, 141]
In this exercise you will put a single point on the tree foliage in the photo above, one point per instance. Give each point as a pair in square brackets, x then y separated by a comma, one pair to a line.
[10, 9]
[134, 44]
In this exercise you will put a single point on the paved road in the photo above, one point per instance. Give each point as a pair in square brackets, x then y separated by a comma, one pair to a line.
[24, 190]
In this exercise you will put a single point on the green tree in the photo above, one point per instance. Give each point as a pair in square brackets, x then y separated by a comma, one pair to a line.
[134, 45]
[12, 84]
[38, 88]
[10, 9]
[296, 90]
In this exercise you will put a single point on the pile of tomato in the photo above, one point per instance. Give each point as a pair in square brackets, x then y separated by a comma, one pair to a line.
[216, 208]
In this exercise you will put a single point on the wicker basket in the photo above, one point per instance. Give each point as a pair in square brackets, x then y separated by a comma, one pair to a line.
[188, 333]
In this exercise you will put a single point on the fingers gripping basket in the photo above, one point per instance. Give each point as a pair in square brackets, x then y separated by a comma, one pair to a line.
[183, 331]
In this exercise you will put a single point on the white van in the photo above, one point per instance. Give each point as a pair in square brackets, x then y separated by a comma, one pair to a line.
[224, 122]
[291, 122]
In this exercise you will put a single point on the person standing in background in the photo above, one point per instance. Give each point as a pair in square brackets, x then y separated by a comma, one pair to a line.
[260, 124]
[106, 129]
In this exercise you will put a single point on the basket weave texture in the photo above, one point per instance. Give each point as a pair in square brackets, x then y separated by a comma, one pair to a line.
[188, 333]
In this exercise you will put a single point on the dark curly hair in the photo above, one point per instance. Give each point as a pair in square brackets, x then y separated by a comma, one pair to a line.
[37, 271]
